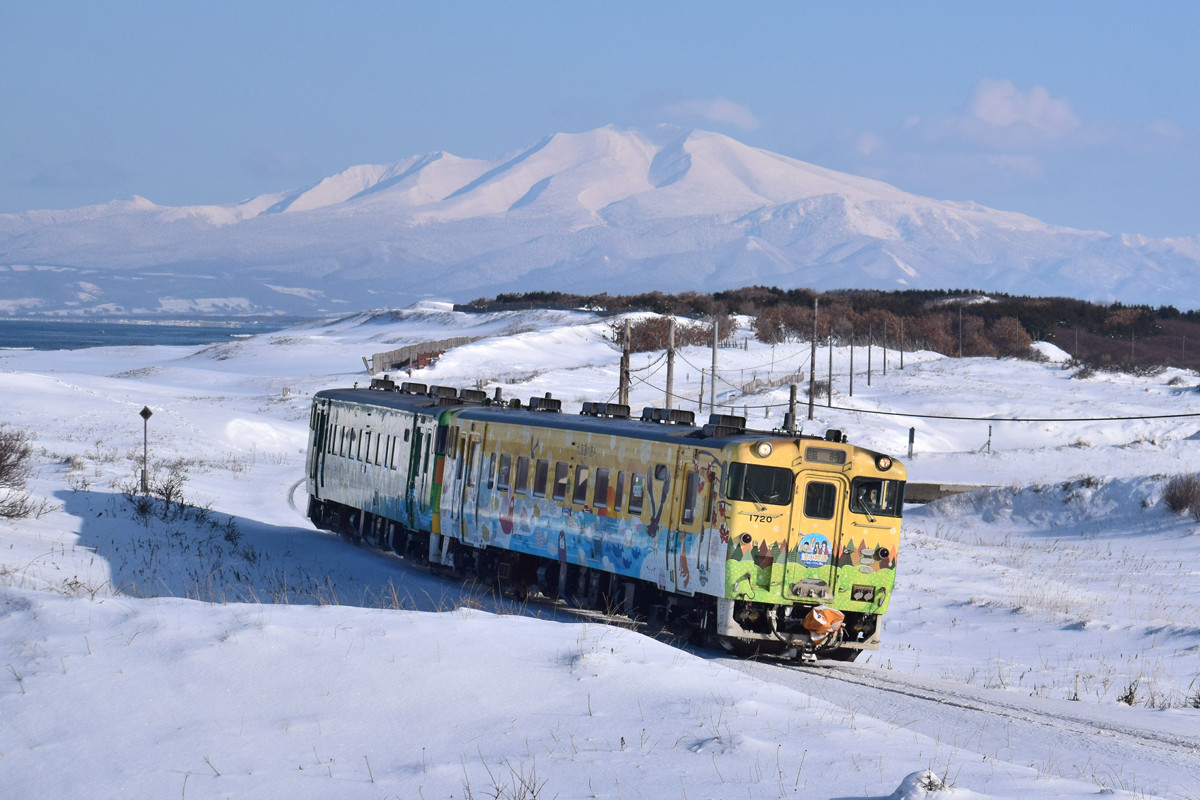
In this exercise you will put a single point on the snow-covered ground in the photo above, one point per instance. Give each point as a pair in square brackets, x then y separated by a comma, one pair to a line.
[1043, 643]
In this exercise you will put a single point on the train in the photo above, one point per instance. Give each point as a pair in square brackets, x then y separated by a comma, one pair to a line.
[756, 541]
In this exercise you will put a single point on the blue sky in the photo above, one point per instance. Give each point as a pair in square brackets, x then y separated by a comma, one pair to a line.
[1081, 114]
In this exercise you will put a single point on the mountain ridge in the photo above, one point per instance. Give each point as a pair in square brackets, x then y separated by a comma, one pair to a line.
[608, 209]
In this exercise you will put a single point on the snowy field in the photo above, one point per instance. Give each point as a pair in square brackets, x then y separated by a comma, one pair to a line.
[1044, 639]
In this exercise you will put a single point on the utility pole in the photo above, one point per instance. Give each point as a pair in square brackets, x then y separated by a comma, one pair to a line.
[789, 421]
[712, 394]
[829, 395]
[670, 362]
[623, 386]
[870, 342]
[852, 335]
[812, 363]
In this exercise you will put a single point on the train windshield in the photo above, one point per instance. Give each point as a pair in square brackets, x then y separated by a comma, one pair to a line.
[876, 496]
[770, 486]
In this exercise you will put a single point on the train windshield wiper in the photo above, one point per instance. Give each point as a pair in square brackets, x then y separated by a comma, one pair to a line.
[862, 501]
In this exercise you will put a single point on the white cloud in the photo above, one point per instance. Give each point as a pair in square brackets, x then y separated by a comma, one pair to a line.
[1000, 104]
[716, 109]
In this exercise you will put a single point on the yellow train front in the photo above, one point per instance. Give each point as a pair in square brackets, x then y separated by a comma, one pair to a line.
[761, 540]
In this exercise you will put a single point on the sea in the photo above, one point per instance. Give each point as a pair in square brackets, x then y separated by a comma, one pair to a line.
[72, 335]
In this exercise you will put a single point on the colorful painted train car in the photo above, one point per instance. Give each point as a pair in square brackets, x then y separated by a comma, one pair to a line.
[757, 540]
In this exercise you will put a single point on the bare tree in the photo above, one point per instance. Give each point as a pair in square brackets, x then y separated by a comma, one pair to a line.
[15, 469]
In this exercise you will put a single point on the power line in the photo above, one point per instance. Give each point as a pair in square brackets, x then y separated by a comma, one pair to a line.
[952, 417]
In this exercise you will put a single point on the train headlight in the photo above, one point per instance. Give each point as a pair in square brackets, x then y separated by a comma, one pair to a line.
[883, 463]
[762, 449]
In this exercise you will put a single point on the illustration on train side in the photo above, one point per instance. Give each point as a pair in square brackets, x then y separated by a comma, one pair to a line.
[759, 541]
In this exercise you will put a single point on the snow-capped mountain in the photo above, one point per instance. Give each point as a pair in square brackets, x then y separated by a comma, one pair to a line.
[606, 210]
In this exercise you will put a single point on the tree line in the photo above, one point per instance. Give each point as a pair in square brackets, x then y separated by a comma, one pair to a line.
[952, 321]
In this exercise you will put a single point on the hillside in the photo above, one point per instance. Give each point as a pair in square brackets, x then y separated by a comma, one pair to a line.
[642, 210]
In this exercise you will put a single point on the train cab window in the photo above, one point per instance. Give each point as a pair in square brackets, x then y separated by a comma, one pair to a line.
[502, 478]
[760, 484]
[637, 493]
[618, 495]
[581, 484]
[690, 489]
[521, 484]
[541, 473]
[820, 500]
[873, 496]
[600, 498]
[561, 468]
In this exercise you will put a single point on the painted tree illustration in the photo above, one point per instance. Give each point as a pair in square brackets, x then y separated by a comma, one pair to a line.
[765, 559]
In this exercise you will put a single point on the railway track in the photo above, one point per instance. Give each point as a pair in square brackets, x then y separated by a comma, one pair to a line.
[1075, 740]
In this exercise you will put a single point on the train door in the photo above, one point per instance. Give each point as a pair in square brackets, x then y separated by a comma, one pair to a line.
[320, 434]
[469, 487]
[694, 489]
[814, 538]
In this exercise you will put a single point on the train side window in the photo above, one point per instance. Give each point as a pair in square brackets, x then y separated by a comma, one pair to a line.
[582, 474]
[690, 490]
[358, 445]
[820, 500]
[637, 493]
[491, 468]
[600, 498]
[502, 478]
[541, 473]
[617, 496]
[560, 479]
[407, 433]
[521, 484]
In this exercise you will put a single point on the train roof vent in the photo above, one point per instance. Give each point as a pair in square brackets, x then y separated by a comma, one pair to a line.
[443, 391]
[546, 403]
[727, 421]
[444, 402]
[408, 387]
[721, 425]
[677, 416]
[384, 384]
[614, 410]
[473, 396]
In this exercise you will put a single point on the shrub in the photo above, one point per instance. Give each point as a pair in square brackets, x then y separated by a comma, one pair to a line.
[15, 469]
[1182, 492]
